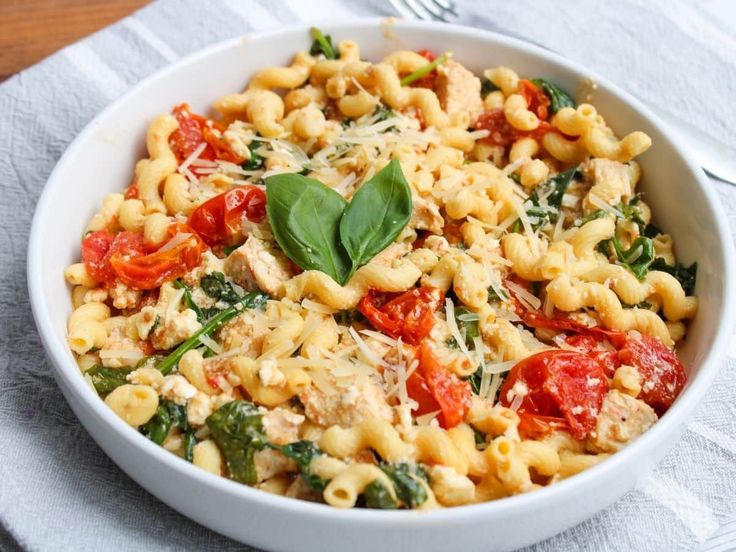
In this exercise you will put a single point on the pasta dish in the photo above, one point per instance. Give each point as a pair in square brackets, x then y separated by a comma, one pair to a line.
[391, 284]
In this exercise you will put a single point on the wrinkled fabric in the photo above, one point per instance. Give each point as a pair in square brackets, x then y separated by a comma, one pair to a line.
[58, 490]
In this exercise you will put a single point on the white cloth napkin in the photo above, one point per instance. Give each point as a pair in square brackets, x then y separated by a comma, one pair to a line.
[58, 491]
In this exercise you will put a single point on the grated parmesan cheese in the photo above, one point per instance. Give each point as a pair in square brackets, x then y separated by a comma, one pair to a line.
[529, 301]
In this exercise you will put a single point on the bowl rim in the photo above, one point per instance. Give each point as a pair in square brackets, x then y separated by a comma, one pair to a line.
[67, 373]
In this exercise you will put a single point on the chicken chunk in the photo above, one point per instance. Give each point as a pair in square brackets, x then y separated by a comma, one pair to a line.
[426, 216]
[261, 263]
[282, 426]
[270, 462]
[346, 407]
[459, 90]
[611, 182]
[621, 420]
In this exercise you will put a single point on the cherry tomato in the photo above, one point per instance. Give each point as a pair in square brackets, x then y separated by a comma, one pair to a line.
[560, 384]
[533, 426]
[99, 247]
[537, 101]
[502, 133]
[220, 218]
[430, 79]
[195, 129]
[151, 270]
[494, 120]
[409, 315]
[434, 387]
[591, 346]
[661, 370]
[132, 192]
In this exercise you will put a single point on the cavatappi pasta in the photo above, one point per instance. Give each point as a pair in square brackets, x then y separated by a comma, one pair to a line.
[387, 284]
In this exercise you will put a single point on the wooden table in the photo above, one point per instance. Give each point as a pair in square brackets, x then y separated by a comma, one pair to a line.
[30, 30]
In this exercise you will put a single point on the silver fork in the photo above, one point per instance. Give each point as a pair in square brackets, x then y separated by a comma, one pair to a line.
[714, 157]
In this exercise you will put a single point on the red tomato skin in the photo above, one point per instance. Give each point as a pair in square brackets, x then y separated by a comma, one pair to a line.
[409, 315]
[95, 247]
[533, 426]
[150, 271]
[195, 129]
[537, 101]
[434, 387]
[560, 384]
[662, 372]
[502, 133]
[219, 218]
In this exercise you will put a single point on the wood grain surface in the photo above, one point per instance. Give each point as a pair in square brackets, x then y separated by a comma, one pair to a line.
[30, 30]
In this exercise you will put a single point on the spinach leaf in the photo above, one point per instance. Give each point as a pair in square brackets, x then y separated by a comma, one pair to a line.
[322, 44]
[305, 218]
[685, 275]
[303, 452]
[237, 429]
[168, 415]
[486, 87]
[157, 428]
[107, 379]
[252, 300]
[215, 286]
[553, 189]
[638, 257]
[255, 161]
[410, 491]
[467, 323]
[189, 441]
[424, 70]
[383, 113]
[377, 496]
[557, 96]
[377, 213]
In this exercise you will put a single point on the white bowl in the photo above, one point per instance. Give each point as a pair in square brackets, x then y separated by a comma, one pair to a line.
[101, 161]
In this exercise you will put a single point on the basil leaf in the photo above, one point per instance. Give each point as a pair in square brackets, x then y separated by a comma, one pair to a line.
[557, 96]
[305, 218]
[377, 213]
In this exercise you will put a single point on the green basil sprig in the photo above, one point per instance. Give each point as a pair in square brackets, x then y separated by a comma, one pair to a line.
[318, 230]
[377, 213]
[305, 219]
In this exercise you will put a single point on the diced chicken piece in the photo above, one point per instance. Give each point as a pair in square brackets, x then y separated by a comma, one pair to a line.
[611, 182]
[124, 297]
[282, 426]
[174, 328]
[177, 389]
[260, 262]
[210, 263]
[426, 216]
[459, 90]
[199, 408]
[346, 407]
[621, 420]
[119, 350]
[245, 332]
[300, 489]
[270, 462]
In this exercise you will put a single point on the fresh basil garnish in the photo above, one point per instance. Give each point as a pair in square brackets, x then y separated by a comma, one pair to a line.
[377, 213]
[557, 96]
[318, 230]
[305, 219]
